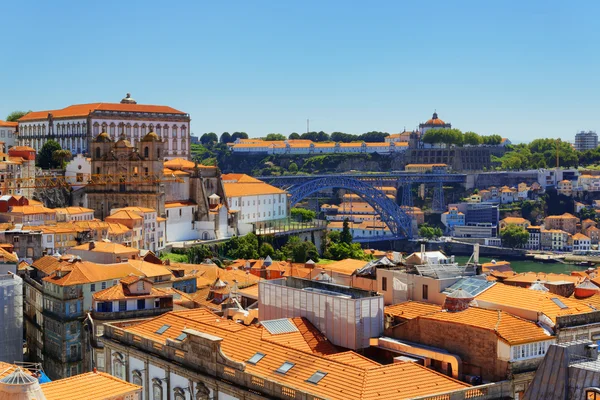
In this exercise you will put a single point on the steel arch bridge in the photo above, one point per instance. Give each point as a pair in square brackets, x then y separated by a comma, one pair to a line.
[398, 221]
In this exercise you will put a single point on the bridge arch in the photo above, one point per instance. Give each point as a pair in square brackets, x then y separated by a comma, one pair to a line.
[399, 223]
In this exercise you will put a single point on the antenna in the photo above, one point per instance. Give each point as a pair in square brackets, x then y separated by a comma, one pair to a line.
[307, 125]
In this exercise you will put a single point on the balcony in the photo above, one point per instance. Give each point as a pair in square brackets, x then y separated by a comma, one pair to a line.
[132, 314]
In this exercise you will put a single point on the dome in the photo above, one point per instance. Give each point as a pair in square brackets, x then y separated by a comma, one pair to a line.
[103, 138]
[539, 286]
[122, 142]
[435, 120]
[20, 385]
[151, 137]
[128, 99]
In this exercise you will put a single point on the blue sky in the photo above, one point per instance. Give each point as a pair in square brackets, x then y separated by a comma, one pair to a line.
[520, 69]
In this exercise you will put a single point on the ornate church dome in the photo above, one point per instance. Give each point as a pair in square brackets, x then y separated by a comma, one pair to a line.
[435, 120]
[103, 138]
[151, 137]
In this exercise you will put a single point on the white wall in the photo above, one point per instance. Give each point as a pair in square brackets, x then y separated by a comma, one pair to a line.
[179, 224]
[259, 208]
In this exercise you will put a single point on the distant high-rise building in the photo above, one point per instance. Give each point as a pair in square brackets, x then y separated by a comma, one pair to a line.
[586, 140]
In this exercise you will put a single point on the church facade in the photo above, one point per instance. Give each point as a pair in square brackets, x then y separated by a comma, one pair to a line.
[76, 126]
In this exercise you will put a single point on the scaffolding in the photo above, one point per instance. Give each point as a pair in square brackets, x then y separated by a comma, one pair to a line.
[11, 318]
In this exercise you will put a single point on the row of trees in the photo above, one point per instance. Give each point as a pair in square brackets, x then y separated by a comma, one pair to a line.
[541, 153]
[211, 138]
[458, 138]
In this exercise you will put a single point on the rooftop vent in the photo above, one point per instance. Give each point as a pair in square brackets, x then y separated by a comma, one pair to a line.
[162, 329]
[316, 377]
[256, 358]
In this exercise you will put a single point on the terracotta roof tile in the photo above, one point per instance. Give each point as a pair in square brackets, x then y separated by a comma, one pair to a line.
[411, 309]
[89, 386]
[250, 189]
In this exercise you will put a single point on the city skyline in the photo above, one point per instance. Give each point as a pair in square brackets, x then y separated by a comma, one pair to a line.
[506, 70]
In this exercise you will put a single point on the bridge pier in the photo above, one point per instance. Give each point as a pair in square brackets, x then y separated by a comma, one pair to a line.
[438, 198]
[407, 200]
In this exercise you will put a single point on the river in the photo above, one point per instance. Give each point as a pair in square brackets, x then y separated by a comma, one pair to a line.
[527, 265]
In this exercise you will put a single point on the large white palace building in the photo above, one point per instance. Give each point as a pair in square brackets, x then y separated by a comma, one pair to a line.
[75, 126]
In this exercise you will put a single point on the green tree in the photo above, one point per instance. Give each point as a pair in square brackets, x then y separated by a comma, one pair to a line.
[225, 138]
[472, 139]
[294, 136]
[197, 254]
[274, 136]
[429, 232]
[266, 250]
[293, 167]
[300, 251]
[242, 247]
[346, 235]
[373, 137]
[15, 115]
[587, 213]
[61, 156]
[45, 159]
[492, 140]
[209, 138]
[302, 214]
[238, 135]
[514, 236]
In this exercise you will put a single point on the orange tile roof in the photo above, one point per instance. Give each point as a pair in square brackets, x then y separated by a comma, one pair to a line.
[119, 292]
[250, 291]
[240, 178]
[175, 204]
[309, 339]
[352, 358]
[149, 269]
[531, 277]
[250, 189]
[139, 209]
[8, 124]
[509, 328]
[83, 110]
[411, 309]
[89, 386]
[86, 272]
[565, 215]
[123, 215]
[31, 210]
[108, 247]
[579, 236]
[181, 163]
[346, 266]
[348, 377]
[73, 210]
[5, 256]
[46, 264]
[532, 300]
[514, 220]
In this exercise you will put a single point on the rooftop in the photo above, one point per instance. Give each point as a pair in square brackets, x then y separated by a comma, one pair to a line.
[89, 386]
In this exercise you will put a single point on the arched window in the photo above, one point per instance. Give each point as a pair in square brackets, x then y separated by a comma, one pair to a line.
[43, 130]
[112, 129]
[179, 394]
[151, 127]
[104, 127]
[174, 131]
[157, 389]
[128, 130]
[136, 378]
[183, 144]
[97, 152]
[183, 130]
[144, 130]
[166, 131]
[174, 144]
[159, 130]
[83, 128]
[136, 130]
[96, 129]
[202, 392]
[118, 366]
[146, 152]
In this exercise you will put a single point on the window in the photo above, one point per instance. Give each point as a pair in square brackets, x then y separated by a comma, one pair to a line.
[137, 378]
[179, 394]
[103, 285]
[118, 366]
[181, 337]
[285, 367]
[146, 152]
[256, 358]
[123, 305]
[425, 292]
[157, 389]
[162, 329]
[140, 285]
[316, 377]
[384, 284]
[97, 152]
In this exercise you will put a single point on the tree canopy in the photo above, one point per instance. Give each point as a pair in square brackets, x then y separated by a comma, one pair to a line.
[302, 214]
[225, 138]
[429, 232]
[209, 138]
[15, 115]
[294, 136]
[238, 135]
[45, 158]
[514, 236]
[274, 136]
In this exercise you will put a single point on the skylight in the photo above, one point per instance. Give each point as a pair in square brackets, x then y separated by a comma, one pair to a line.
[181, 337]
[162, 329]
[256, 358]
[285, 367]
[559, 303]
[316, 377]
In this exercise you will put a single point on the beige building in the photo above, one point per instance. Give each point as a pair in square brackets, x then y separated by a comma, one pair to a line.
[565, 187]
[566, 222]
[522, 222]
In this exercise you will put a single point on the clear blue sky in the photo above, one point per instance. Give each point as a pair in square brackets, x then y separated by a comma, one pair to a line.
[520, 69]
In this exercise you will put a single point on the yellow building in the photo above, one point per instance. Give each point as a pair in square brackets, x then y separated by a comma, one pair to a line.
[514, 221]
[422, 168]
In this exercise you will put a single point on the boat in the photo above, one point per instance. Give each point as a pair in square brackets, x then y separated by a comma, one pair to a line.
[585, 264]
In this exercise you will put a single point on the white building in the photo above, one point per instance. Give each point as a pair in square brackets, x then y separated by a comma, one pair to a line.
[77, 170]
[152, 230]
[581, 242]
[75, 126]
[8, 134]
[68, 214]
[183, 226]
[254, 200]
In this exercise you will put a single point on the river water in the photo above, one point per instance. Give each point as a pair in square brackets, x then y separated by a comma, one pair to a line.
[527, 265]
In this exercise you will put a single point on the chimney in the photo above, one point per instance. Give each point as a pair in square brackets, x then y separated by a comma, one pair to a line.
[476, 253]
[91, 246]
[591, 351]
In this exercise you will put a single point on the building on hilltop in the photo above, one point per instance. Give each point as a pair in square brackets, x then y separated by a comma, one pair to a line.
[76, 126]
[566, 222]
[17, 171]
[8, 134]
[586, 140]
[433, 123]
